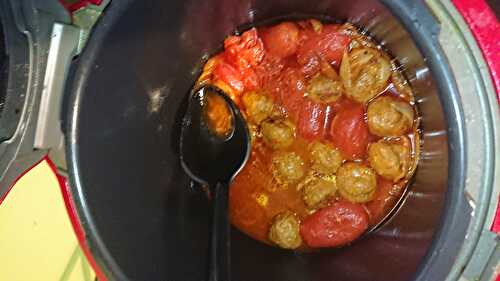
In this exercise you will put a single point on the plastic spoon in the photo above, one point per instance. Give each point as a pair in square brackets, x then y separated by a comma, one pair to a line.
[214, 158]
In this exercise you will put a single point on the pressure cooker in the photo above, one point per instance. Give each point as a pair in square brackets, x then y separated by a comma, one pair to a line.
[101, 86]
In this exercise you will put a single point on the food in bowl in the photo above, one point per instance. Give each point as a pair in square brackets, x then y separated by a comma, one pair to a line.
[334, 132]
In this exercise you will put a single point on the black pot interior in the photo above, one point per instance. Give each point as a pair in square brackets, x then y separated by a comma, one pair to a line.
[144, 219]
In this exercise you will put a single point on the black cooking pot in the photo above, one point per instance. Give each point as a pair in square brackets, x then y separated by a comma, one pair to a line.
[143, 218]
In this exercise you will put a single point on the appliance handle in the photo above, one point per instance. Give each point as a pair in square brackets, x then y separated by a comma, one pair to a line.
[63, 47]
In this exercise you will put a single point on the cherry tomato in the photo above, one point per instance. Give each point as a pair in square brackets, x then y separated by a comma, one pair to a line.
[269, 70]
[341, 103]
[291, 92]
[251, 80]
[229, 75]
[281, 40]
[349, 132]
[333, 44]
[244, 51]
[338, 224]
[385, 196]
[312, 118]
[329, 45]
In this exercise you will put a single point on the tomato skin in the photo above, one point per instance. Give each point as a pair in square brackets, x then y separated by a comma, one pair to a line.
[329, 45]
[251, 80]
[241, 55]
[281, 40]
[336, 225]
[349, 132]
[342, 103]
[312, 118]
[386, 195]
[290, 92]
[244, 51]
[229, 75]
[333, 44]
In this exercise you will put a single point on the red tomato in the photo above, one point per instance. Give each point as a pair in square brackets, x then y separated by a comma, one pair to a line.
[338, 224]
[281, 40]
[333, 43]
[244, 51]
[291, 92]
[251, 80]
[229, 75]
[349, 132]
[312, 119]
[269, 70]
[341, 103]
[385, 196]
[329, 44]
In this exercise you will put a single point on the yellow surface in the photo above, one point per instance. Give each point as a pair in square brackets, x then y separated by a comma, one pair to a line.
[37, 241]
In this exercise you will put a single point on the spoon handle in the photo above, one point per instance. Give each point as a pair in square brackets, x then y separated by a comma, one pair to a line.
[220, 242]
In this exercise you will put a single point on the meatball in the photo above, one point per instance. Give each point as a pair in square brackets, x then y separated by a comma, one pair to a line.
[356, 182]
[288, 167]
[357, 40]
[325, 158]
[315, 191]
[278, 133]
[365, 73]
[389, 117]
[389, 160]
[284, 231]
[258, 107]
[322, 89]
[400, 83]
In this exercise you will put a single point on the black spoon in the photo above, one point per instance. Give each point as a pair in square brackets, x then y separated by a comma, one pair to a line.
[214, 158]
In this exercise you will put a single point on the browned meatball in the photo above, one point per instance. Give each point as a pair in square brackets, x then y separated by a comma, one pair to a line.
[278, 133]
[356, 182]
[357, 40]
[325, 158]
[284, 231]
[288, 167]
[389, 117]
[323, 89]
[389, 160]
[258, 106]
[400, 83]
[365, 73]
[316, 191]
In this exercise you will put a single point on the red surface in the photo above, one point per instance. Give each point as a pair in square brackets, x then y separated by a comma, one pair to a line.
[486, 29]
[75, 222]
[496, 222]
[71, 7]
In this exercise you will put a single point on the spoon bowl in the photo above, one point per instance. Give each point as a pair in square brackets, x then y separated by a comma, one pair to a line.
[205, 156]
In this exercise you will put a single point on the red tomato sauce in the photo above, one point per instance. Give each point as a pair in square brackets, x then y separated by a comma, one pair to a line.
[279, 61]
